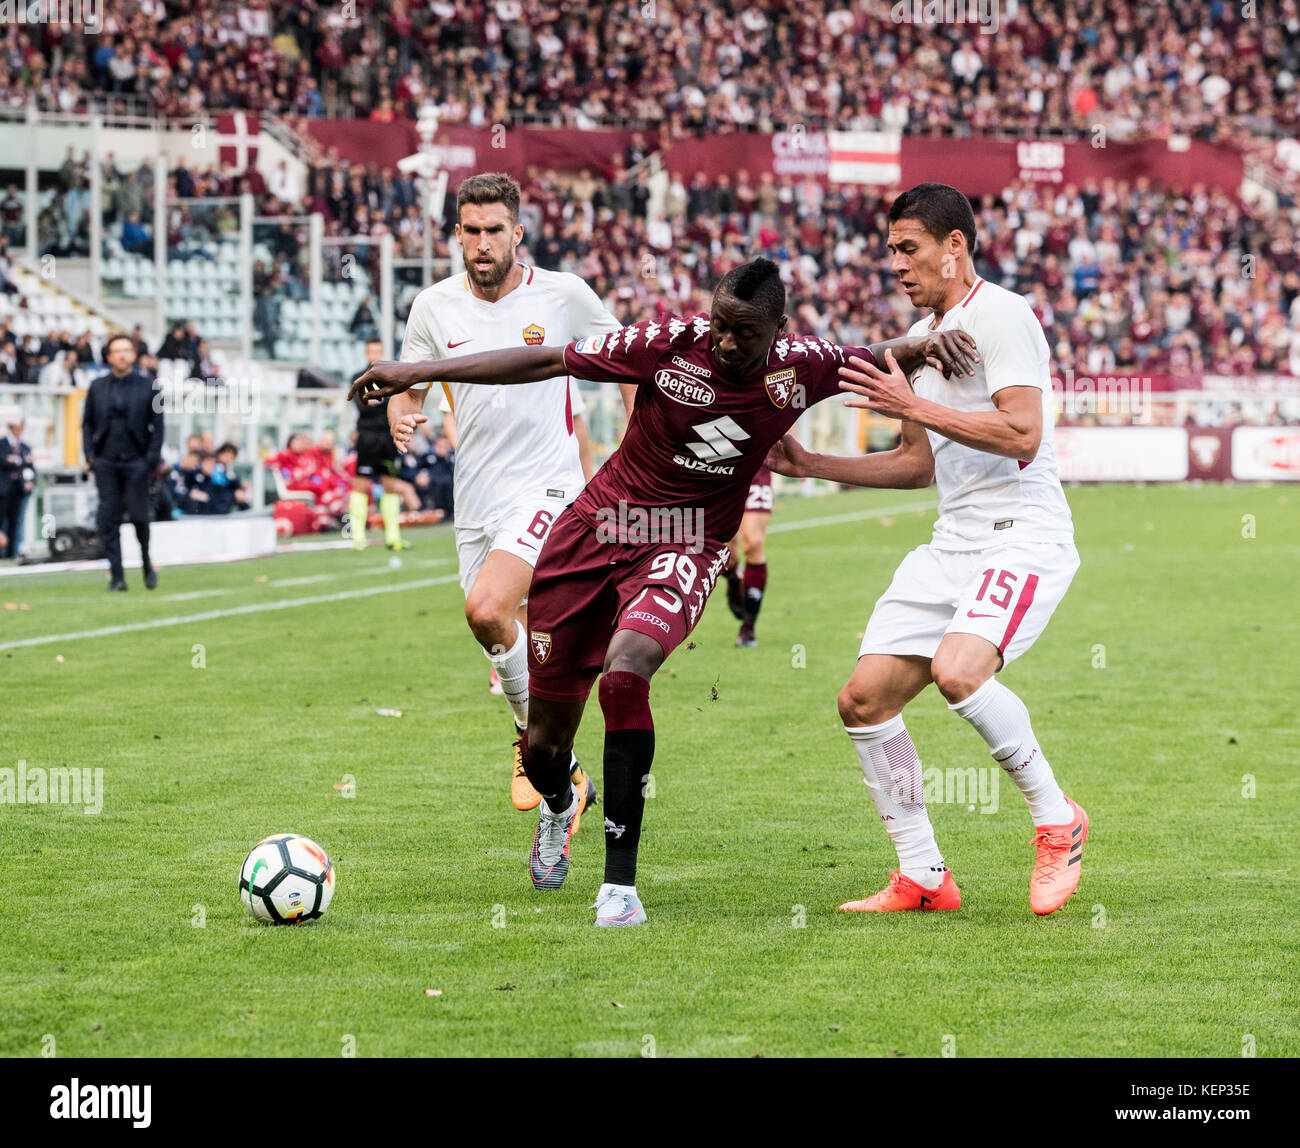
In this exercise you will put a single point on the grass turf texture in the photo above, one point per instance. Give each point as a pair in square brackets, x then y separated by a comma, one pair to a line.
[1177, 943]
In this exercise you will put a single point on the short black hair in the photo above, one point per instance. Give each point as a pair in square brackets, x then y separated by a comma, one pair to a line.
[759, 283]
[940, 209]
[489, 187]
[114, 338]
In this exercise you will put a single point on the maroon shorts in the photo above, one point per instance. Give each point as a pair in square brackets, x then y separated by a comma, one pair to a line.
[585, 589]
[759, 499]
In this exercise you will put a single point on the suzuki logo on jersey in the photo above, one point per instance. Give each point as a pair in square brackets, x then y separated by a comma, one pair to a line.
[533, 335]
[679, 388]
[721, 436]
[780, 386]
[541, 645]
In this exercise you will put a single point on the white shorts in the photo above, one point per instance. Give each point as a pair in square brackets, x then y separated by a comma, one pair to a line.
[520, 530]
[1005, 595]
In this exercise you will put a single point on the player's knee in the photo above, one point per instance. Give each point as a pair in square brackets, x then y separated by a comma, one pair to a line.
[484, 617]
[957, 679]
[860, 705]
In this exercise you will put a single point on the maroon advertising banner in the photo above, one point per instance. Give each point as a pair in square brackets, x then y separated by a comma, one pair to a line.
[463, 150]
[977, 166]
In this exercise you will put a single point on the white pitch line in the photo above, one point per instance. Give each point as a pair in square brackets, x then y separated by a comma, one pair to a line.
[857, 516]
[306, 581]
[401, 563]
[190, 596]
[234, 611]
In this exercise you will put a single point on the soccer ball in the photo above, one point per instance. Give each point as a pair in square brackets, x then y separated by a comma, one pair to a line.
[286, 879]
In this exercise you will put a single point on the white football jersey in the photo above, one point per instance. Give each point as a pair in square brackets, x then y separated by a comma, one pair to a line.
[987, 499]
[513, 442]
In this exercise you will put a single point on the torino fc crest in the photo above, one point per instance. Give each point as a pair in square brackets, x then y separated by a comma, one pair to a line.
[780, 386]
[541, 645]
[533, 335]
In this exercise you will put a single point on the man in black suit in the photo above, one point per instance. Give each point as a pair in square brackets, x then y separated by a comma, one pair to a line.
[122, 436]
[17, 478]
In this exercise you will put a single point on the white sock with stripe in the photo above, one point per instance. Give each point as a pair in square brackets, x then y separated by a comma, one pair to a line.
[1002, 720]
[512, 669]
[892, 772]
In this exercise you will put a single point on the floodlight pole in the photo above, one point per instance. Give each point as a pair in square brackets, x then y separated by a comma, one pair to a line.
[424, 164]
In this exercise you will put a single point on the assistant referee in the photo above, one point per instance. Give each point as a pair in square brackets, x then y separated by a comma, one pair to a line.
[377, 457]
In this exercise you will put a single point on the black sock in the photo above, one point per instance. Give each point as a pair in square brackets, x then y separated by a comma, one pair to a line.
[628, 756]
[629, 752]
[755, 585]
[550, 777]
[142, 536]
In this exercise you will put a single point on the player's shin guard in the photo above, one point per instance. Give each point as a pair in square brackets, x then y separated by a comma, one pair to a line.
[1002, 720]
[629, 752]
[549, 776]
[512, 668]
[755, 583]
[390, 506]
[892, 772]
[358, 506]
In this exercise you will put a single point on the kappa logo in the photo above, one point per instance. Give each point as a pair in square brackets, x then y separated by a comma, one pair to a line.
[616, 831]
[533, 335]
[779, 386]
[541, 645]
[691, 368]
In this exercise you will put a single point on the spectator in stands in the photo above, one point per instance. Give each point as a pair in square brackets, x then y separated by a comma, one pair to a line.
[58, 372]
[203, 365]
[176, 345]
[135, 236]
[364, 325]
[11, 215]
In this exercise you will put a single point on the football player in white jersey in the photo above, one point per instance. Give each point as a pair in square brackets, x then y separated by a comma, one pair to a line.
[517, 460]
[977, 596]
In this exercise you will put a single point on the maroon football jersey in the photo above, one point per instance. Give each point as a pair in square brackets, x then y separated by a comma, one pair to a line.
[695, 438]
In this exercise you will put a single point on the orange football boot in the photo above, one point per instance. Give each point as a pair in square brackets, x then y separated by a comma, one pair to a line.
[1058, 862]
[522, 792]
[904, 893]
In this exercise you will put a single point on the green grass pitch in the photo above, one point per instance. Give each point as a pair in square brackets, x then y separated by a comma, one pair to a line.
[1163, 694]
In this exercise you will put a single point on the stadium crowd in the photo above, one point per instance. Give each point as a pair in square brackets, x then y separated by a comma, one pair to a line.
[1216, 69]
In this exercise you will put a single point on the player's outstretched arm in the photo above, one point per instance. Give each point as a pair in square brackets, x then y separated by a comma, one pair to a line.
[908, 466]
[511, 365]
[949, 352]
[1014, 430]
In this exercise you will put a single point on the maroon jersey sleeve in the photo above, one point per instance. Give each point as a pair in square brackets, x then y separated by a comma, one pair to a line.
[626, 356]
[817, 362]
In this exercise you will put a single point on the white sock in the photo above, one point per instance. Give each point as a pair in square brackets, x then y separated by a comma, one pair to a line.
[607, 889]
[512, 669]
[569, 805]
[1002, 720]
[892, 772]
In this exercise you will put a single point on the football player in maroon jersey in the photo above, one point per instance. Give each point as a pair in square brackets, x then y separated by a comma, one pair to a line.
[624, 575]
[745, 591]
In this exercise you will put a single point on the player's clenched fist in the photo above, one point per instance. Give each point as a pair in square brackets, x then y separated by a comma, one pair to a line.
[403, 430]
